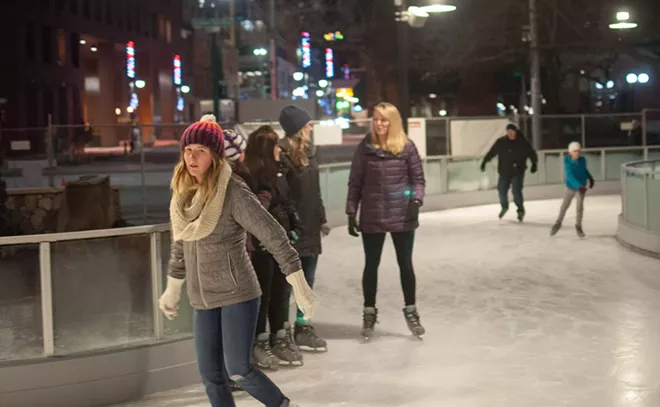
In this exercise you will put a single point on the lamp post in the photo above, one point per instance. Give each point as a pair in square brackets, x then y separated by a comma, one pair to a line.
[536, 76]
[410, 17]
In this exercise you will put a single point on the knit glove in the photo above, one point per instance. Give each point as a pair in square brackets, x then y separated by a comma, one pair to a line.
[534, 168]
[325, 229]
[353, 227]
[169, 301]
[302, 292]
[591, 182]
[293, 237]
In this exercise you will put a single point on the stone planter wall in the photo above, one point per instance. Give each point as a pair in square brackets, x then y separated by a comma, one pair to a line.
[35, 210]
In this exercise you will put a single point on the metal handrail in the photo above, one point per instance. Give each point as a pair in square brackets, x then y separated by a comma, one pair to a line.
[83, 235]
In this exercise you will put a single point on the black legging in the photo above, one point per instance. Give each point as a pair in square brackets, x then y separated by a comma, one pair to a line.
[276, 291]
[373, 249]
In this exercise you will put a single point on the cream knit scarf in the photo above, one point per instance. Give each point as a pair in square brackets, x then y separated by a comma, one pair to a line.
[194, 219]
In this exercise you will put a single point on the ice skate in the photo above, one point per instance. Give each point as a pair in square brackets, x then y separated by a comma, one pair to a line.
[521, 216]
[305, 336]
[369, 320]
[263, 354]
[502, 213]
[579, 231]
[235, 388]
[412, 319]
[285, 350]
[555, 229]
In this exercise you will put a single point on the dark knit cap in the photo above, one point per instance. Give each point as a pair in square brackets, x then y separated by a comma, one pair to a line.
[206, 132]
[293, 118]
[512, 126]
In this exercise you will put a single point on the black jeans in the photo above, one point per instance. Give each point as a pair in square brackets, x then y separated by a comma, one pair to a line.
[373, 249]
[276, 293]
[516, 184]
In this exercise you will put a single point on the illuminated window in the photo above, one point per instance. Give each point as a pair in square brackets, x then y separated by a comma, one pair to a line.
[46, 44]
[61, 47]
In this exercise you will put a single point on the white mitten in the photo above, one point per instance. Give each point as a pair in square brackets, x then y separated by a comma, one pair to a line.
[169, 301]
[302, 292]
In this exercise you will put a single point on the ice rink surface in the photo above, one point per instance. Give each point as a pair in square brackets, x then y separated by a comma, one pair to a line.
[514, 318]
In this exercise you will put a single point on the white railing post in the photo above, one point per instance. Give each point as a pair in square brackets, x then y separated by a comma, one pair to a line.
[561, 167]
[647, 216]
[583, 126]
[624, 191]
[143, 175]
[444, 171]
[46, 299]
[603, 165]
[542, 174]
[156, 283]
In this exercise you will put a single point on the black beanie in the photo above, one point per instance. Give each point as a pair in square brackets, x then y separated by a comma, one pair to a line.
[512, 126]
[293, 118]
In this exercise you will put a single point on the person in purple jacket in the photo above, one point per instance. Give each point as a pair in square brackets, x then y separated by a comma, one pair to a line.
[387, 184]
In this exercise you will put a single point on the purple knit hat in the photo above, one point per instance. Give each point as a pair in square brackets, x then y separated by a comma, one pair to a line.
[206, 132]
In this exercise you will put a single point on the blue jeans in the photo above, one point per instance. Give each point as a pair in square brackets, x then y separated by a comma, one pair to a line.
[309, 268]
[516, 185]
[224, 338]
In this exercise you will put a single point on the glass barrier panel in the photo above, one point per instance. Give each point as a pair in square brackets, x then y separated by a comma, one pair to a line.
[558, 132]
[466, 175]
[593, 164]
[182, 325]
[436, 136]
[614, 160]
[654, 154]
[654, 200]
[635, 199]
[337, 188]
[20, 303]
[434, 175]
[613, 131]
[532, 179]
[554, 168]
[653, 127]
[101, 293]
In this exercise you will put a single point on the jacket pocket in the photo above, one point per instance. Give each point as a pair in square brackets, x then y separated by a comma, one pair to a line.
[230, 269]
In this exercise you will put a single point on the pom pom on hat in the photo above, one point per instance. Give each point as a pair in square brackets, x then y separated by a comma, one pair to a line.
[206, 132]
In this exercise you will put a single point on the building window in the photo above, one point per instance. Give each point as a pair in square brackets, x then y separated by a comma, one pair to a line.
[61, 47]
[30, 53]
[63, 104]
[154, 26]
[120, 15]
[109, 12]
[168, 32]
[138, 20]
[46, 44]
[98, 10]
[75, 50]
[87, 8]
[73, 5]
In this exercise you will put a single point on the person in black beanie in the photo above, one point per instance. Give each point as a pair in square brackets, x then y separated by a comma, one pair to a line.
[512, 152]
[302, 159]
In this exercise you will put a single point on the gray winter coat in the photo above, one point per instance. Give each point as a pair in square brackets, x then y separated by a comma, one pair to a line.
[217, 268]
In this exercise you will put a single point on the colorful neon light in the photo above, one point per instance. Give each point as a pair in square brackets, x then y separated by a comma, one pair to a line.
[306, 50]
[177, 69]
[329, 63]
[130, 59]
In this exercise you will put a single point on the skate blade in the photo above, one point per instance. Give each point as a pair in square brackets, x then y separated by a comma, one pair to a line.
[268, 367]
[310, 349]
[295, 363]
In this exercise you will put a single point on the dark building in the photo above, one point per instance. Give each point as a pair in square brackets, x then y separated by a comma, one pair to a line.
[99, 61]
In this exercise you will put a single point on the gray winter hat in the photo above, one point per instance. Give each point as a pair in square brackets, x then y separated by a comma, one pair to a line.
[293, 118]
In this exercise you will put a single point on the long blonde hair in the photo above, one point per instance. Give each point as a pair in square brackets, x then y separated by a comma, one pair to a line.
[299, 143]
[185, 184]
[396, 138]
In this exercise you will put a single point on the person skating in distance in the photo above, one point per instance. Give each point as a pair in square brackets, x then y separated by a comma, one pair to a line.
[386, 184]
[210, 212]
[302, 159]
[512, 152]
[577, 178]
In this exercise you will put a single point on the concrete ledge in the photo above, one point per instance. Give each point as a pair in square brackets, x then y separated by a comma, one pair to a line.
[638, 239]
[117, 376]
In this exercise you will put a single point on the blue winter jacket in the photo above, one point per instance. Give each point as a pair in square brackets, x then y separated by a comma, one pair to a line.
[577, 173]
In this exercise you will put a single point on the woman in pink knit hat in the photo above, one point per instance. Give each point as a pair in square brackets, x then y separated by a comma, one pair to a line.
[210, 212]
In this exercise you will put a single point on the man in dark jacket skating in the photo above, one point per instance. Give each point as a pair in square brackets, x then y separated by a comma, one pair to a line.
[512, 152]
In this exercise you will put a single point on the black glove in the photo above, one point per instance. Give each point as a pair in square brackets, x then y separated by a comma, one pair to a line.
[483, 167]
[413, 210]
[534, 168]
[353, 227]
[591, 182]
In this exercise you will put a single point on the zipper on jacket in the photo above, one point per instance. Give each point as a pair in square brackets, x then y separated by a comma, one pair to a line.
[199, 277]
[231, 272]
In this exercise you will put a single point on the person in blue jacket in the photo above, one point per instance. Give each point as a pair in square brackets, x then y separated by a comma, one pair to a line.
[577, 178]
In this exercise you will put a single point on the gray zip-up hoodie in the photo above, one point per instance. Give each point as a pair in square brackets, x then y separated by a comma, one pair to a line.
[217, 267]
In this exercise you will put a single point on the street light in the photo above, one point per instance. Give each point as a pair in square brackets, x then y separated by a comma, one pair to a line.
[610, 84]
[298, 76]
[323, 83]
[623, 23]
[320, 93]
[260, 52]
[185, 89]
[643, 78]
[140, 84]
[632, 78]
[438, 8]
